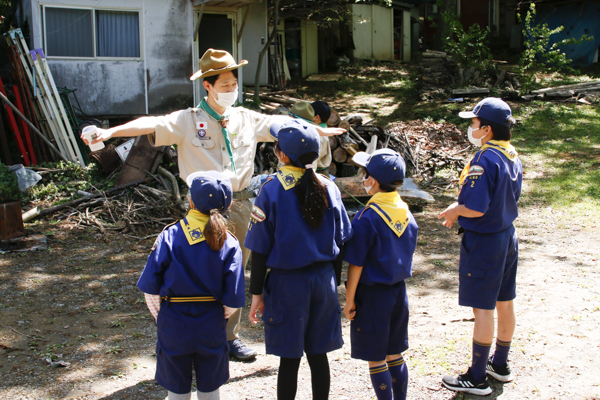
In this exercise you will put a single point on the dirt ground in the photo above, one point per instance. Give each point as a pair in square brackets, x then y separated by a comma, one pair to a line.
[74, 326]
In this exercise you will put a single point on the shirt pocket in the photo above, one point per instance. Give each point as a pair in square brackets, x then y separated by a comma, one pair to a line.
[203, 143]
[241, 140]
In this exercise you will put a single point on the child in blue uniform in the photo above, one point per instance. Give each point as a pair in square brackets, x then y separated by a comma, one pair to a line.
[380, 256]
[298, 227]
[195, 269]
[490, 187]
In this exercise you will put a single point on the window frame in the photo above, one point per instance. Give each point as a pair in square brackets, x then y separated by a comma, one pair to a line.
[44, 27]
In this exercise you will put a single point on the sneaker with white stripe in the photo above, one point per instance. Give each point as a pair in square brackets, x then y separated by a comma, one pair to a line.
[466, 383]
[502, 374]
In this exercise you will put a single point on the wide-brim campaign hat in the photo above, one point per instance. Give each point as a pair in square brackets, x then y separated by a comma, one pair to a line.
[210, 190]
[304, 110]
[215, 62]
[493, 109]
[297, 137]
[385, 165]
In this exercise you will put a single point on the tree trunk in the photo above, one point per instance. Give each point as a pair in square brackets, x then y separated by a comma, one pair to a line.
[262, 53]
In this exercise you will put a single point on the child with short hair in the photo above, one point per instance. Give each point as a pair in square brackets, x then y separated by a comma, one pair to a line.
[298, 228]
[490, 187]
[194, 270]
[380, 256]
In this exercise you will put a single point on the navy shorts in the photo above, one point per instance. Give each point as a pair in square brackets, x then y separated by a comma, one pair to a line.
[191, 336]
[380, 326]
[302, 311]
[488, 268]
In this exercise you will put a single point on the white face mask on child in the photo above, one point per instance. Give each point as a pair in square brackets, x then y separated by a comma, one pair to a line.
[367, 188]
[476, 142]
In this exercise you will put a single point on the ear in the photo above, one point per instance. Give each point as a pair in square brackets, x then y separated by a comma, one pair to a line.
[206, 85]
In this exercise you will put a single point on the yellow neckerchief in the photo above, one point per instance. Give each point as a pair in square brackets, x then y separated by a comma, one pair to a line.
[193, 226]
[289, 176]
[391, 209]
[502, 146]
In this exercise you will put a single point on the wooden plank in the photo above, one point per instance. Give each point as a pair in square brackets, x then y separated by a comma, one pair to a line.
[464, 92]
[567, 87]
[139, 161]
[352, 185]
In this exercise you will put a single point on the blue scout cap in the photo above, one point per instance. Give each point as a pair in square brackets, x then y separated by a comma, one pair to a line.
[296, 137]
[385, 165]
[210, 189]
[491, 108]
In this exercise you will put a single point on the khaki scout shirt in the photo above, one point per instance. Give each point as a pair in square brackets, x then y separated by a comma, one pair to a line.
[195, 153]
[324, 159]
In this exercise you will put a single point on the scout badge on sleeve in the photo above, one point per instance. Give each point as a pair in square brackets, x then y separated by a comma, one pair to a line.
[257, 214]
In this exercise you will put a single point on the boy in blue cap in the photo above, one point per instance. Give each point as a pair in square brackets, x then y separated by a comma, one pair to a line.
[490, 186]
[298, 228]
[195, 268]
[380, 256]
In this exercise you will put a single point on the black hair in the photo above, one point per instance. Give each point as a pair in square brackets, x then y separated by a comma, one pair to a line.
[215, 230]
[322, 109]
[387, 188]
[213, 78]
[310, 191]
[500, 132]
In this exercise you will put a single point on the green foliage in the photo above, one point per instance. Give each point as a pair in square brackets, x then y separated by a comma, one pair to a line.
[468, 48]
[538, 53]
[9, 185]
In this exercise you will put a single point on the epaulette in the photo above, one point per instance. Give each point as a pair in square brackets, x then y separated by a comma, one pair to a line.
[157, 236]
[269, 179]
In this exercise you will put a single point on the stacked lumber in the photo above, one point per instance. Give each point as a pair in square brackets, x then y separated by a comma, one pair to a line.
[585, 92]
[273, 101]
[46, 113]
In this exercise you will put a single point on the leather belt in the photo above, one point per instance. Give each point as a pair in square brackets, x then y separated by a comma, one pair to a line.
[243, 195]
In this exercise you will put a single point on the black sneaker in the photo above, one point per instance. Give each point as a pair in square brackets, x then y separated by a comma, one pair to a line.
[466, 383]
[502, 374]
[240, 351]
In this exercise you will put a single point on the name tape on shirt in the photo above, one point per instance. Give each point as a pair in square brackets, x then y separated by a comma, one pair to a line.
[257, 214]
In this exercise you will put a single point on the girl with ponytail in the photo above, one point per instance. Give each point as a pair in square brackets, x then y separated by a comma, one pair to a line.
[298, 228]
[193, 280]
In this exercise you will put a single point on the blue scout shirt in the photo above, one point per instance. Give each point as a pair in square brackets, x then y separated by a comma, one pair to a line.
[177, 269]
[277, 228]
[491, 184]
[385, 238]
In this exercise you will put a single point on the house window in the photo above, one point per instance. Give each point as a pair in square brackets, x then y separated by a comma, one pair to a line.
[77, 32]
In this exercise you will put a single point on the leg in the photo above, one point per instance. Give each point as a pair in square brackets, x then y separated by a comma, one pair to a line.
[175, 396]
[320, 376]
[287, 379]
[239, 218]
[498, 365]
[483, 336]
[214, 395]
[399, 372]
[381, 379]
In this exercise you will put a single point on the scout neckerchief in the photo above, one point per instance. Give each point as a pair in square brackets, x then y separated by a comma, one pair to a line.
[391, 209]
[289, 176]
[223, 120]
[502, 146]
[193, 226]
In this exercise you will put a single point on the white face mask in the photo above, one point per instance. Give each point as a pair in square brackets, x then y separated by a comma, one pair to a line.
[367, 188]
[476, 142]
[226, 99]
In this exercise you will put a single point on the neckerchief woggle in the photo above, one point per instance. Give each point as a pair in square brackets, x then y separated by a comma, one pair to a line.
[502, 146]
[289, 176]
[391, 209]
[223, 121]
[193, 226]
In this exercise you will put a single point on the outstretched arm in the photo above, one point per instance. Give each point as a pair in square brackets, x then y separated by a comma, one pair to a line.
[138, 127]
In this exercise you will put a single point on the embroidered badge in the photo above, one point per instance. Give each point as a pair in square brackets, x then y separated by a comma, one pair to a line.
[201, 125]
[289, 180]
[399, 226]
[196, 234]
[475, 170]
[257, 214]
[201, 133]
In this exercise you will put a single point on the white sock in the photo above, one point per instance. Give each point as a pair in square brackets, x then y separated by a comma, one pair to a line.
[214, 395]
[175, 396]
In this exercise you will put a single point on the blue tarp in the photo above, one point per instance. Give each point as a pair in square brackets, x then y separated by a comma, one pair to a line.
[577, 19]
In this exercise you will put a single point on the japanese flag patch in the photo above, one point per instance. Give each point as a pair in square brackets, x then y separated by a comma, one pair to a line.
[201, 125]
[475, 170]
[257, 215]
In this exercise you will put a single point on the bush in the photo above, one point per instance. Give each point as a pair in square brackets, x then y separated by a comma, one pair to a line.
[9, 185]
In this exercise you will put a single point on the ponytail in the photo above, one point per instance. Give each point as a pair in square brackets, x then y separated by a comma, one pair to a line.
[311, 193]
[215, 230]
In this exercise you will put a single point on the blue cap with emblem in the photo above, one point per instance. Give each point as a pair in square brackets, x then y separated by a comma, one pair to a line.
[297, 138]
[385, 165]
[493, 109]
[210, 190]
